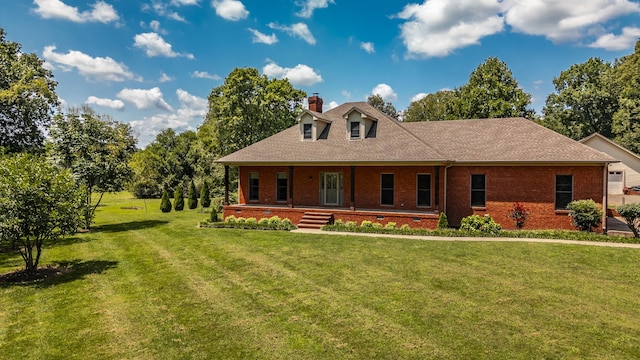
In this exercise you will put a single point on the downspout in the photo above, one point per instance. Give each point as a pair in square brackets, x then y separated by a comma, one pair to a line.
[605, 197]
[446, 167]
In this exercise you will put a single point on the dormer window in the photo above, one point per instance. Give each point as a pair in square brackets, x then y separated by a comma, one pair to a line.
[354, 130]
[307, 133]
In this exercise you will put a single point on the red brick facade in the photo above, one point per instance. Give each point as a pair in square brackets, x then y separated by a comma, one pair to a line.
[533, 186]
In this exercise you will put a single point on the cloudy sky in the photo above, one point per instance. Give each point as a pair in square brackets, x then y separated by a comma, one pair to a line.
[152, 63]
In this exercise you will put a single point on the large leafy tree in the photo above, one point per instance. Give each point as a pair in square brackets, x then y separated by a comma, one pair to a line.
[249, 107]
[27, 98]
[385, 106]
[38, 204]
[585, 100]
[491, 92]
[626, 121]
[96, 149]
[433, 107]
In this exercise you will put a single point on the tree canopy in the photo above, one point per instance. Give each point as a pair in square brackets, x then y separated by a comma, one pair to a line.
[626, 121]
[386, 107]
[96, 149]
[433, 107]
[27, 98]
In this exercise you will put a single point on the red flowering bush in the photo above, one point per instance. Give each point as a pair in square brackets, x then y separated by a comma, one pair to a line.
[519, 214]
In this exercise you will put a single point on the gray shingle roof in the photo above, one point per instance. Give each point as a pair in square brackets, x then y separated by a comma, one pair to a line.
[511, 140]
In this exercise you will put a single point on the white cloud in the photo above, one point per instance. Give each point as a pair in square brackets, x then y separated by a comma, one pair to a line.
[165, 78]
[564, 20]
[346, 94]
[184, 2]
[98, 68]
[300, 30]
[162, 9]
[438, 27]
[145, 99]
[232, 10]
[259, 37]
[418, 96]
[205, 75]
[155, 26]
[368, 47]
[333, 104]
[309, 6]
[191, 105]
[56, 9]
[113, 104]
[154, 45]
[300, 75]
[614, 42]
[385, 91]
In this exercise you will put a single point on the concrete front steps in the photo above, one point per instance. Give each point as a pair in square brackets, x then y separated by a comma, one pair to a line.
[315, 220]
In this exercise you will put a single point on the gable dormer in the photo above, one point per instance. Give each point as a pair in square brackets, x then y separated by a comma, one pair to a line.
[313, 126]
[360, 125]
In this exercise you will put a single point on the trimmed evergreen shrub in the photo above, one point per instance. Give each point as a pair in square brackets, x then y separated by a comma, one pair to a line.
[230, 219]
[192, 197]
[477, 223]
[631, 214]
[214, 215]
[585, 214]
[443, 222]
[390, 226]
[205, 195]
[178, 198]
[165, 203]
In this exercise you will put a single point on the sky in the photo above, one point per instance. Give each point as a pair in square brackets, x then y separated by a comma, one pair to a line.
[152, 63]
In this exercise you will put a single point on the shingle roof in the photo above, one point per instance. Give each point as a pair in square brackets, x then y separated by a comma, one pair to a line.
[487, 140]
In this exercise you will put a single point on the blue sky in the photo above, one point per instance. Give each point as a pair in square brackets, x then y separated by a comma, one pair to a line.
[152, 63]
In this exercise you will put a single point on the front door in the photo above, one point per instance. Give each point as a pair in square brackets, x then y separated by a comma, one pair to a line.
[330, 189]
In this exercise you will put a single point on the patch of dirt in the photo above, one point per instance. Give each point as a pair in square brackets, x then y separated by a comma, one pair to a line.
[131, 207]
[23, 277]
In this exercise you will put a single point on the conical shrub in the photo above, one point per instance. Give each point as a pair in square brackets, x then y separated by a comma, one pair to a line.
[192, 197]
[165, 203]
[178, 198]
[205, 195]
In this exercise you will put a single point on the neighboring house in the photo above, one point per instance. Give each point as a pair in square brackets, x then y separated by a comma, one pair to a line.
[355, 163]
[623, 174]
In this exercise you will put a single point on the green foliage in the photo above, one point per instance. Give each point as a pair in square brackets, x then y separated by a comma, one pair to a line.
[252, 221]
[96, 149]
[405, 227]
[38, 205]
[338, 222]
[205, 195]
[178, 198]
[27, 98]
[230, 219]
[491, 92]
[146, 189]
[390, 225]
[192, 197]
[351, 224]
[263, 221]
[626, 121]
[214, 215]
[433, 107]
[443, 222]
[274, 220]
[377, 225]
[165, 203]
[366, 224]
[518, 214]
[386, 107]
[585, 214]
[476, 223]
[272, 223]
[631, 215]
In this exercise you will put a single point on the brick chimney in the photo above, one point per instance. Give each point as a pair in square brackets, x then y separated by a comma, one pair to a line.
[315, 103]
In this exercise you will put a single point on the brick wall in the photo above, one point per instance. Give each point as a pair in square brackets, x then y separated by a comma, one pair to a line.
[533, 186]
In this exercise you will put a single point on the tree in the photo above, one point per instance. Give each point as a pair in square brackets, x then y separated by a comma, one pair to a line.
[626, 121]
[178, 198]
[433, 107]
[386, 107]
[249, 107]
[96, 149]
[205, 196]
[165, 203]
[38, 204]
[27, 98]
[585, 100]
[192, 201]
[491, 92]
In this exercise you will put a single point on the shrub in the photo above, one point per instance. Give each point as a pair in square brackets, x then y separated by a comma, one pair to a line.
[286, 222]
[351, 224]
[165, 203]
[518, 214]
[390, 226]
[192, 197]
[178, 198]
[241, 220]
[231, 219]
[585, 214]
[214, 215]
[146, 189]
[274, 220]
[405, 227]
[252, 221]
[338, 222]
[631, 214]
[205, 195]
[476, 223]
[443, 222]
[377, 226]
[263, 221]
[366, 224]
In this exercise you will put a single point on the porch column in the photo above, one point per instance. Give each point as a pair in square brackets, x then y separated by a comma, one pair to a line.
[226, 184]
[353, 187]
[290, 186]
[436, 198]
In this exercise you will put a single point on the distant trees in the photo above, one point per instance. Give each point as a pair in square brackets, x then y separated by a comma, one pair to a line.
[27, 98]
[433, 107]
[38, 204]
[626, 121]
[386, 107]
[96, 149]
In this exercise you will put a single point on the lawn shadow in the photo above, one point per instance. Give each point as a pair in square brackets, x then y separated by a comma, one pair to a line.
[51, 275]
[128, 226]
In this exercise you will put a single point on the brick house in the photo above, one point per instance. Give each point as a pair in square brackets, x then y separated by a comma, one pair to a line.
[355, 163]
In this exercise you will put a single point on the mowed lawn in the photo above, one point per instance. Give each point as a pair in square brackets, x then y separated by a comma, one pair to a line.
[148, 285]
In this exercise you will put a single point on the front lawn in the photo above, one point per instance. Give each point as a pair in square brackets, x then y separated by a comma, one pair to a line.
[149, 285]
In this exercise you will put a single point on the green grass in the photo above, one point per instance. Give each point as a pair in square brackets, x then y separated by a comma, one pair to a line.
[148, 285]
